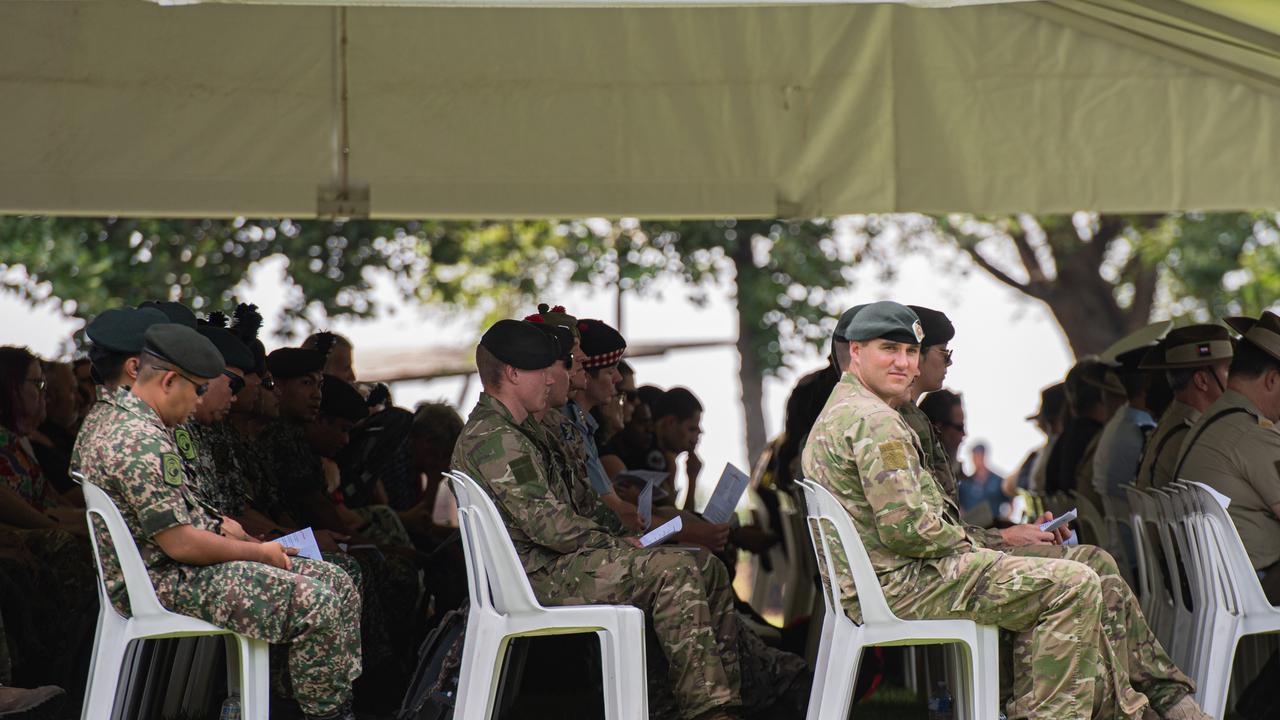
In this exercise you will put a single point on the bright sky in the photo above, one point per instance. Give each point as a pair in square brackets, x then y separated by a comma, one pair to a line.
[1006, 348]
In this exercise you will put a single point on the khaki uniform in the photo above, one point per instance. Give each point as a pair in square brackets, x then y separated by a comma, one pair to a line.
[314, 609]
[571, 559]
[1164, 447]
[1236, 451]
[930, 566]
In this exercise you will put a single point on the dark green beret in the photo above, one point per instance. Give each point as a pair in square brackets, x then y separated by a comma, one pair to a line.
[841, 333]
[938, 329]
[563, 337]
[176, 312]
[521, 344]
[122, 329]
[340, 399]
[185, 348]
[288, 363]
[886, 320]
[235, 353]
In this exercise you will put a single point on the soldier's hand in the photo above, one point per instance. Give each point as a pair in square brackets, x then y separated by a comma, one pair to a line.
[633, 542]
[233, 529]
[1020, 535]
[712, 536]
[1062, 534]
[276, 555]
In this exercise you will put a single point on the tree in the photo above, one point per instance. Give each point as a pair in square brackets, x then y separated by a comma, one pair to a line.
[1103, 276]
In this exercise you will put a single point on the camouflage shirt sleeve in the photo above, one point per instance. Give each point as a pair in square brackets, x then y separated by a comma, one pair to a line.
[152, 480]
[906, 500]
[507, 465]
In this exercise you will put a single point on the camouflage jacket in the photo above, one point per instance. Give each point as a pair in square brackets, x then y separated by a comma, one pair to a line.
[567, 458]
[131, 456]
[296, 468]
[196, 443]
[506, 459]
[246, 463]
[865, 454]
[937, 461]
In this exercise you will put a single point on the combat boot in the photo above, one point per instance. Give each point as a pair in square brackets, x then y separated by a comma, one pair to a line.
[1186, 709]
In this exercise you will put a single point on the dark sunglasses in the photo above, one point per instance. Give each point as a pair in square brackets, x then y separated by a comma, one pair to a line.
[268, 383]
[946, 355]
[631, 395]
[237, 382]
[201, 388]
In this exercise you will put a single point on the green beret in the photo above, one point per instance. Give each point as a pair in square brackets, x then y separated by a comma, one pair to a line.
[122, 329]
[938, 329]
[886, 320]
[841, 333]
[176, 312]
[289, 363]
[521, 345]
[234, 352]
[340, 399]
[185, 348]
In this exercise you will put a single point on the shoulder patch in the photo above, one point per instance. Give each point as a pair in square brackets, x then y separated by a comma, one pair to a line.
[171, 466]
[185, 444]
[893, 453]
[523, 470]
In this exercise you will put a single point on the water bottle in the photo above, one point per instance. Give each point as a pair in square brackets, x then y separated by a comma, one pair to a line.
[230, 708]
[940, 703]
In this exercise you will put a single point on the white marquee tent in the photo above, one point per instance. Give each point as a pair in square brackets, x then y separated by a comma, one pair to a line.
[471, 108]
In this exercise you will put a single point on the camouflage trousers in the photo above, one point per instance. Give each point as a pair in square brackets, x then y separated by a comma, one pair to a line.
[1142, 662]
[314, 609]
[1063, 660]
[686, 596]
[384, 526]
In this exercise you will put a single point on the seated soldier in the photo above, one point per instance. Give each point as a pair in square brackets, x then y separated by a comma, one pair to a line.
[256, 589]
[572, 560]
[930, 566]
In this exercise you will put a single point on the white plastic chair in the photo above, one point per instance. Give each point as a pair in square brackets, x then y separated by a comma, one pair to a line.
[1239, 606]
[503, 607]
[974, 660]
[1154, 592]
[149, 620]
[1178, 559]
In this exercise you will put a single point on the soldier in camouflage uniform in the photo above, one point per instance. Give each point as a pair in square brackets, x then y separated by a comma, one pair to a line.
[931, 567]
[1150, 669]
[570, 559]
[255, 589]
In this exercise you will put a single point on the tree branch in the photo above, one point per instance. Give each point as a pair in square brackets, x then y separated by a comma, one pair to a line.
[1002, 276]
[1027, 254]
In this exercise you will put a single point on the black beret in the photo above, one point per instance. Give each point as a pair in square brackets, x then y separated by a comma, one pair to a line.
[602, 344]
[938, 329]
[287, 363]
[122, 329]
[563, 337]
[521, 344]
[886, 319]
[187, 349]
[175, 311]
[234, 353]
[340, 399]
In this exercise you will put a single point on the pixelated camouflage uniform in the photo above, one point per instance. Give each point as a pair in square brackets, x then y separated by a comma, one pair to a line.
[130, 454]
[930, 567]
[767, 673]
[571, 560]
[1150, 669]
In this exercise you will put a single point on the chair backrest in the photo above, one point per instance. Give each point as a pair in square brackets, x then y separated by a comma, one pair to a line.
[1137, 508]
[142, 594]
[1091, 520]
[496, 577]
[1239, 585]
[831, 527]
[1174, 553]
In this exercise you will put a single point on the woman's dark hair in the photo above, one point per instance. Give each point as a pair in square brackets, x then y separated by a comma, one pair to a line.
[15, 362]
[937, 406]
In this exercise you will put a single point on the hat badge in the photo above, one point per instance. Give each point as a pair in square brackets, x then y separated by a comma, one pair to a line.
[1203, 349]
[918, 330]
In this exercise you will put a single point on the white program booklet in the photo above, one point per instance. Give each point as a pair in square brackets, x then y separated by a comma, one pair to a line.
[644, 505]
[1059, 521]
[733, 482]
[1223, 500]
[304, 540]
[662, 532]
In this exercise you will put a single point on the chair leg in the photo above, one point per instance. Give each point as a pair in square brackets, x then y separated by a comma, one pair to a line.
[822, 661]
[986, 674]
[482, 653]
[254, 674]
[626, 692]
[1215, 676]
[839, 676]
[104, 672]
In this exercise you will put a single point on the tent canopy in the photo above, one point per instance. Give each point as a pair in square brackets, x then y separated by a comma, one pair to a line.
[128, 108]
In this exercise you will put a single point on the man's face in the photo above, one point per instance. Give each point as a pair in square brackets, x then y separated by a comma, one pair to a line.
[32, 398]
[339, 363]
[180, 397]
[216, 403]
[578, 375]
[952, 433]
[558, 394]
[1215, 380]
[299, 398]
[602, 385]
[246, 401]
[61, 396]
[85, 384]
[676, 435]
[934, 361]
[328, 435]
[532, 388]
[885, 367]
[268, 402]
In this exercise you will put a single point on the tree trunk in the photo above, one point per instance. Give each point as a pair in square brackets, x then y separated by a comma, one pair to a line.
[750, 375]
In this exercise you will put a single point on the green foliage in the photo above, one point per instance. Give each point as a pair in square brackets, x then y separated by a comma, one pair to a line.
[1219, 264]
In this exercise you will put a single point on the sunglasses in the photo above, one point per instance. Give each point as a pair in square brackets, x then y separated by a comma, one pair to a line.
[268, 383]
[946, 356]
[201, 388]
[237, 382]
[40, 383]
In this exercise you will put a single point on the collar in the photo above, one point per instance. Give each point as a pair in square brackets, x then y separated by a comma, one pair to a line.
[1232, 398]
[124, 399]
[1138, 416]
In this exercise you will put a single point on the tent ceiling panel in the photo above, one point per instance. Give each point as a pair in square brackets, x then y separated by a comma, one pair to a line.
[120, 107]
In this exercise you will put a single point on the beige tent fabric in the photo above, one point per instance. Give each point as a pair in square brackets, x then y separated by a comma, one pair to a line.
[122, 107]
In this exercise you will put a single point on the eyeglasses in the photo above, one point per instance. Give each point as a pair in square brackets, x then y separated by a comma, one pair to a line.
[201, 388]
[40, 383]
[946, 356]
[268, 383]
[237, 382]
